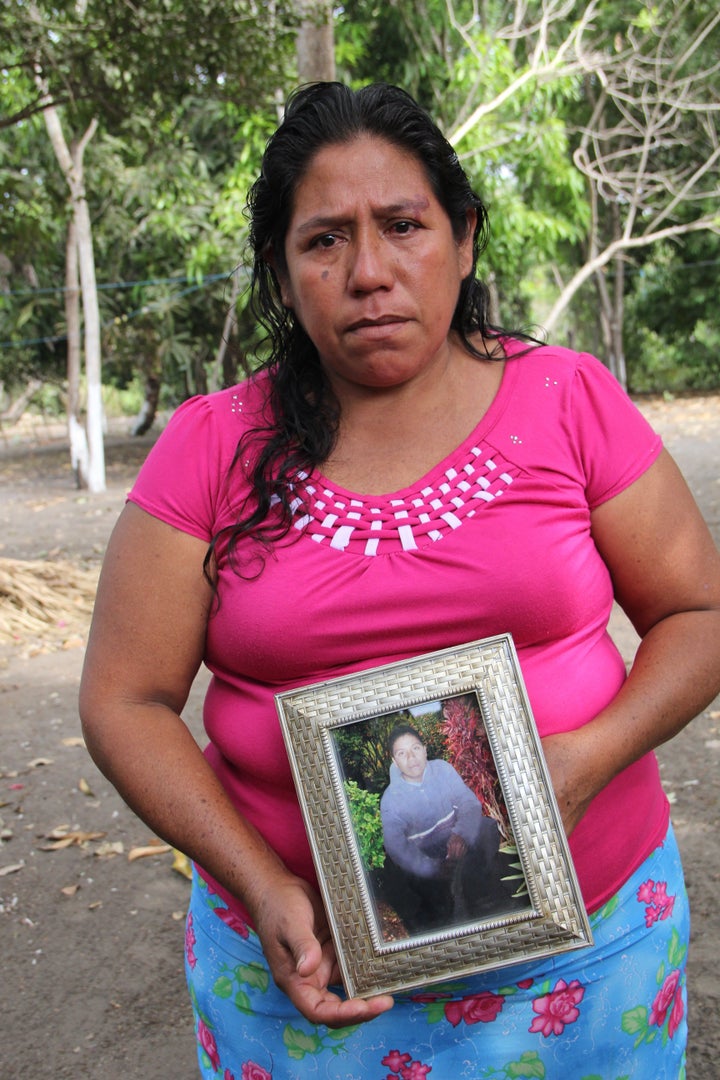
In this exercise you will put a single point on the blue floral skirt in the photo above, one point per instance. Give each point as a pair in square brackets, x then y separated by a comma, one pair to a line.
[609, 1012]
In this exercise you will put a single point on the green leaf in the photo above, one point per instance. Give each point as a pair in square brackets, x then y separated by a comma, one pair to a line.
[299, 1043]
[342, 1033]
[242, 1002]
[676, 950]
[529, 1065]
[223, 987]
[435, 1012]
[253, 975]
[635, 1020]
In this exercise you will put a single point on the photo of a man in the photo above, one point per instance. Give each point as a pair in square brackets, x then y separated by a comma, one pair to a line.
[437, 836]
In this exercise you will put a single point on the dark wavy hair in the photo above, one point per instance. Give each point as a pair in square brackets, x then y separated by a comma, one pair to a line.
[305, 412]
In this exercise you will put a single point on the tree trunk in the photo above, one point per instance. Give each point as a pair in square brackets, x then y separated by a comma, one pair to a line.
[315, 47]
[76, 432]
[91, 313]
[146, 417]
[71, 163]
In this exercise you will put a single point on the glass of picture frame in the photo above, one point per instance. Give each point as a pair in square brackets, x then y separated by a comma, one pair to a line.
[407, 905]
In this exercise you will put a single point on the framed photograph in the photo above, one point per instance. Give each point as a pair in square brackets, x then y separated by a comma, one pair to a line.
[435, 833]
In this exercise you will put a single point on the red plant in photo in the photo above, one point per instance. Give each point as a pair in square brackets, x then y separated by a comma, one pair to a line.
[468, 750]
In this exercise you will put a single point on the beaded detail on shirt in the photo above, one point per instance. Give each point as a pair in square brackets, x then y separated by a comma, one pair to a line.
[377, 525]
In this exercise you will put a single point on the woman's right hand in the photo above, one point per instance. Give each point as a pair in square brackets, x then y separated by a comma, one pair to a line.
[293, 928]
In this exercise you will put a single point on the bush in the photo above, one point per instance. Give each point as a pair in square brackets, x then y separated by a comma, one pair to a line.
[367, 823]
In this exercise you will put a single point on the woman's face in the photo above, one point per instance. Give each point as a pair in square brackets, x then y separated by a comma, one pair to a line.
[373, 269]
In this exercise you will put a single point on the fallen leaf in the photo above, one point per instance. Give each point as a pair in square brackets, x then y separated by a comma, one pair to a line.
[110, 848]
[38, 761]
[12, 869]
[60, 839]
[181, 864]
[95, 905]
[76, 740]
[70, 890]
[85, 788]
[148, 849]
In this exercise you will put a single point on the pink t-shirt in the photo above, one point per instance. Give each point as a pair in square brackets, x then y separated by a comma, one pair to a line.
[494, 539]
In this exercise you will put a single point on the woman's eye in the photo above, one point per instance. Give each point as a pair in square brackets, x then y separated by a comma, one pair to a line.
[327, 240]
[404, 227]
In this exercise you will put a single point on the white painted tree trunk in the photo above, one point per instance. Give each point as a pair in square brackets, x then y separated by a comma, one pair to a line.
[77, 436]
[71, 163]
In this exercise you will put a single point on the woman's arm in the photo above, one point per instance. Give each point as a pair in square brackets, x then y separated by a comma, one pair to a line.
[666, 575]
[146, 645]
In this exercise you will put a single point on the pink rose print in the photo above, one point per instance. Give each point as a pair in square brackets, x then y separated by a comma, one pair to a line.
[678, 1011]
[233, 921]
[665, 1000]
[190, 940]
[404, 1068]
[207, 1041]
[658, 905]
[416, 1071]
[557, 1008]
[395, 1060]
[480, 1008]
[252, 1071]
[525, 984]
[227, 1075]
[429, 998]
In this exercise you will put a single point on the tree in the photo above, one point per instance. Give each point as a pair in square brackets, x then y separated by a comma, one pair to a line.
[592, 131]
[95, 65]
[315, 41]
[649, 151]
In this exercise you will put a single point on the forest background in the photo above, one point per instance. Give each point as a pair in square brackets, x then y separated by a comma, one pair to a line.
[129, 135]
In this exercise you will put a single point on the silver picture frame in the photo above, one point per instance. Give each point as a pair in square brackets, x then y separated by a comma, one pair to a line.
[533, 907]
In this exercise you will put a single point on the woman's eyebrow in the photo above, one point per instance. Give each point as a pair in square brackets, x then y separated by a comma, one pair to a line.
[334, 221]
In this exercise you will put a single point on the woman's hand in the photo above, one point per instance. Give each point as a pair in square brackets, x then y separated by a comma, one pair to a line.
[295, 936]
[567, 759]
[665, 571]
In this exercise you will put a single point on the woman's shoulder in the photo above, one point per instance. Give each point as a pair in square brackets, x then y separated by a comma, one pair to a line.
[248, 398]
[531, 356]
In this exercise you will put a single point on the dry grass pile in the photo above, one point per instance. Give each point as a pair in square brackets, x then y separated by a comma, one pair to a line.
[45, 600]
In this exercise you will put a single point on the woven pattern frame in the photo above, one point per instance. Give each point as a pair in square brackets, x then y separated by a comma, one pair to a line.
[555, 919]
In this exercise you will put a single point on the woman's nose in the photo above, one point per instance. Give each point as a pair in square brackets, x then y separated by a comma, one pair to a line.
[371, 266]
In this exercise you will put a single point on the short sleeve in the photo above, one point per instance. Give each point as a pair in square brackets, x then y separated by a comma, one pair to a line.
[615, 443]
[181, 476]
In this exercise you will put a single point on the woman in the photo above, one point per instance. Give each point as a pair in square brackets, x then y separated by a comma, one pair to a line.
[400, 478]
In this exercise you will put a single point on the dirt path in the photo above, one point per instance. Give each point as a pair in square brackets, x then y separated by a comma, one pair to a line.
[92, 983]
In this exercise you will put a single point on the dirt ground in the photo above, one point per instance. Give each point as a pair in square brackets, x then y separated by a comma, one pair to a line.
[92, 982]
